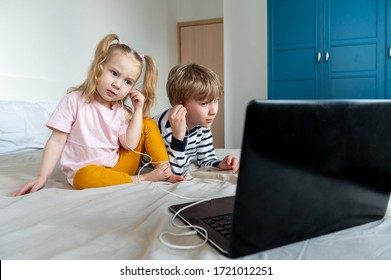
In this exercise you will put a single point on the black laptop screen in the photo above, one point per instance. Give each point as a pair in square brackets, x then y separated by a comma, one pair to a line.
[310, 168]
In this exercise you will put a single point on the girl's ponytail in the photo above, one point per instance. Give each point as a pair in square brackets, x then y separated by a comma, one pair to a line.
[149, 85]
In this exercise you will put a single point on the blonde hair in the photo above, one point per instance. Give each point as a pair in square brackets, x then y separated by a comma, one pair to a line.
[105, 48]
[192, 82]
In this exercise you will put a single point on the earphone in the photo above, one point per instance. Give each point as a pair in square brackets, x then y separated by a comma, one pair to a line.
[139, 153]
[196, 229]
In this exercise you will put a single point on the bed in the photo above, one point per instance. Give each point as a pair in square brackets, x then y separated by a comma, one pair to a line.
[124, 222]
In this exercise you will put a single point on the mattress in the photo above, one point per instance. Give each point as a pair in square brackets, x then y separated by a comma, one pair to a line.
[124, 222]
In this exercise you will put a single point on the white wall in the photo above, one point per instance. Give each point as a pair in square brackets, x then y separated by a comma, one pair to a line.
[189, 10]
[48, 45]
[245, 62]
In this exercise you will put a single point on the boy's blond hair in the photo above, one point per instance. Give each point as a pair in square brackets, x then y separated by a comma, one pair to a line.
[192, 82]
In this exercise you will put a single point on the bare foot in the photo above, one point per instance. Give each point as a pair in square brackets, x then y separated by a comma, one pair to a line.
[175, 178]
[161, 172]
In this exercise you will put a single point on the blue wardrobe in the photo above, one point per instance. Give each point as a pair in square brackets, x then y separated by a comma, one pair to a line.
[329, 49]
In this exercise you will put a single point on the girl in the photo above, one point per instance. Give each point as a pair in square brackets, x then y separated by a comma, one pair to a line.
[99, 141]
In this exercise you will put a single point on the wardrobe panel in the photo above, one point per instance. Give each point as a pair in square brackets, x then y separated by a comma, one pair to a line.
[354, 88]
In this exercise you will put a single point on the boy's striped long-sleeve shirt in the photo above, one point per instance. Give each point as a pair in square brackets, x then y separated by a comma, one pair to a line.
[197, 145]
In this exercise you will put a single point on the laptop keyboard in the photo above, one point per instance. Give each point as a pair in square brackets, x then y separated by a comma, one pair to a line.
[222, 224]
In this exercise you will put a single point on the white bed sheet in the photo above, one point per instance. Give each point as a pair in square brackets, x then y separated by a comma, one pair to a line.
[125, 221]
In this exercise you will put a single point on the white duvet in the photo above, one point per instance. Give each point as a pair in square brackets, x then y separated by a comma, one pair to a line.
[125, 221]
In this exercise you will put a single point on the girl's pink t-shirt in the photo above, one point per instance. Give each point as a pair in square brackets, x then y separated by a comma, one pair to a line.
[93, 132]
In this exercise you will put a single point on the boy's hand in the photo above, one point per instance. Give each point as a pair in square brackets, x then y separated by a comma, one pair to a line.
[177, 118]
[230, 163]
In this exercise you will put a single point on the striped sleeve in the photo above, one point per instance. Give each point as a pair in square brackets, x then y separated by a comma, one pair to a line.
[176, 149]
[206, 154]
[197, 146]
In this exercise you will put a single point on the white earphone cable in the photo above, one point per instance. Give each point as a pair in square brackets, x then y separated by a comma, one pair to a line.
[195, 228]
[139, 153]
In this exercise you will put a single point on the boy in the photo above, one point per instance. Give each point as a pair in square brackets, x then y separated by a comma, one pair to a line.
[194, 92]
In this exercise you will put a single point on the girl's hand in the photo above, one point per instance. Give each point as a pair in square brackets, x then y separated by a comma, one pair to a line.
[177, 119]
[51, 154]
[230, 163]
[33, 186]
[137, 99]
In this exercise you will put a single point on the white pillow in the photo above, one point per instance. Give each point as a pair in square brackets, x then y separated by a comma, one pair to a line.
[23, 125]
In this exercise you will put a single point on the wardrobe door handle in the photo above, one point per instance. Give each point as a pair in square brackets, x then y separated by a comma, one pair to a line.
[320, 57]
[327, 57]
[389, 52]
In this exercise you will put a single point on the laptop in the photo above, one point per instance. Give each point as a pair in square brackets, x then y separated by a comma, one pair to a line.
[307, 168]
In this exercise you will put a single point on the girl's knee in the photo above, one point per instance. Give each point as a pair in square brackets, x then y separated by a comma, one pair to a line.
[149, 124]
[84, 178]
[94, 176]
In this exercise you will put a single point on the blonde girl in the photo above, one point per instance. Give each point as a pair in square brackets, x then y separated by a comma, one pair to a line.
[100, 141]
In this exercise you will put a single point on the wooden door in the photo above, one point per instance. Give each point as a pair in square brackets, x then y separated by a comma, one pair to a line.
[202, 42]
